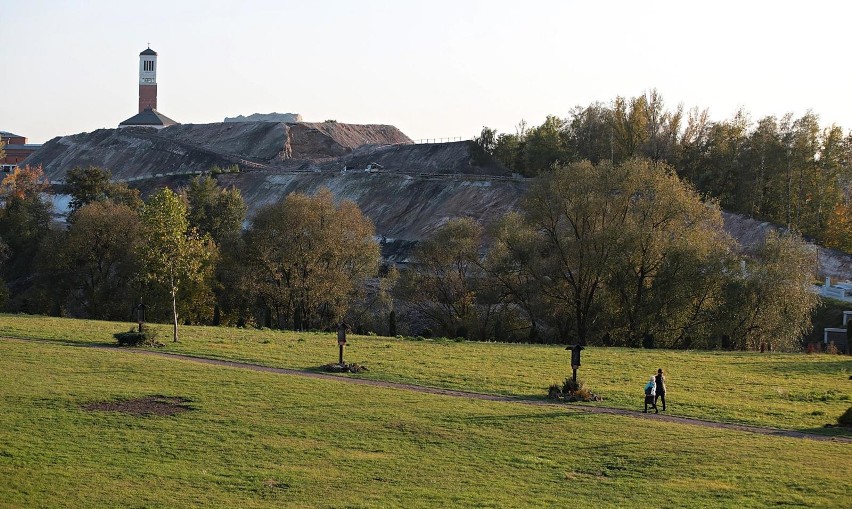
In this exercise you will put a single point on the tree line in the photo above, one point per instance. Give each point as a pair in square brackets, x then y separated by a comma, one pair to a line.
[790, 171]
[612, 254]
[598, 253]
[185, 255]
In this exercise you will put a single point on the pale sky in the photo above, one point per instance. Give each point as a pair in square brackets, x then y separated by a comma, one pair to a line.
[432, 68]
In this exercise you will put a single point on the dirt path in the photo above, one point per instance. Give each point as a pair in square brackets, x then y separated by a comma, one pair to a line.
[470, 395]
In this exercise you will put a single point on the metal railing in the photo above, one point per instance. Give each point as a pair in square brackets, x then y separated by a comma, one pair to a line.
[441, 140]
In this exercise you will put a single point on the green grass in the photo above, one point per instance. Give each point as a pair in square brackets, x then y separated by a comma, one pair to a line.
[791, 391]
[265, 440]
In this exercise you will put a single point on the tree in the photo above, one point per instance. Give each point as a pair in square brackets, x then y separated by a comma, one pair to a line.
[170, 252]
[564, 243]
[545, 145]
[23, 184]
[443, 279]
[24, 219]
[97, 259]
[308, 258]
[212, 210]
[769, 298]
[589, 133]
[4, 255]
[612, 254]
[839, 229]
[666, 275]
[628, 127]
[92, 184]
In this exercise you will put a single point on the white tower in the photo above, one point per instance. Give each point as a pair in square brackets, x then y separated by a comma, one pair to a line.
[147, 80]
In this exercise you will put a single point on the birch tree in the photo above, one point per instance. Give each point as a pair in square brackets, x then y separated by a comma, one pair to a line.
[170, 252]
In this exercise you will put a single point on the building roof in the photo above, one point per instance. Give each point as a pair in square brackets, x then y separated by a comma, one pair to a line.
[7, 134]
[28, 146]
[149, 51]
[149, 117]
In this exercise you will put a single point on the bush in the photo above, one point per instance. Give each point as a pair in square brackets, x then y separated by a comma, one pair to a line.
[554, 391]
[832, 349]
[569, 386]
[846, 418]
[148, 337]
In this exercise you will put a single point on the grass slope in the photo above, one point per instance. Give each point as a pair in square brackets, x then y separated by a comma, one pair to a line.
[792, 391]
[263, 440]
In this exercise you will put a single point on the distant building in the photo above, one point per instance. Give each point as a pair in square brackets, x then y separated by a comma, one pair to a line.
[148, 115]
[17, 149]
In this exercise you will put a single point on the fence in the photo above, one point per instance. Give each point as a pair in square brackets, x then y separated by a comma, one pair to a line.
[440, 140]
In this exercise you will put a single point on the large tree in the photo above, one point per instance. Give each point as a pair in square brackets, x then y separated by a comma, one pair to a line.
[769, 299]
[97, 258]
[566, 241]
[667, 271]
[444, 276]
[170, 252]
[623, 252]
[308, 257]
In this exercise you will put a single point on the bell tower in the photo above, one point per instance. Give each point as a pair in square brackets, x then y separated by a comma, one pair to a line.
[147, 80]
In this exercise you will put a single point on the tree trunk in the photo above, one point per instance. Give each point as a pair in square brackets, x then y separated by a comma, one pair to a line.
[174, 313]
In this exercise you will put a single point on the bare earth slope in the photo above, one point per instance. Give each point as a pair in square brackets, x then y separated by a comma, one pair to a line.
[186, 148]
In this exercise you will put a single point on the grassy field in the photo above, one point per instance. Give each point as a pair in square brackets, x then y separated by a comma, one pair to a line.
[792, 391]
[264, 440]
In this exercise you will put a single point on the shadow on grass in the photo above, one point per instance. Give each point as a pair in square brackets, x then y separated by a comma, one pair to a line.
[833, 431]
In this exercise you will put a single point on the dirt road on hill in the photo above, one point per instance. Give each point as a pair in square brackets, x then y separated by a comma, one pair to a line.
[463, 394]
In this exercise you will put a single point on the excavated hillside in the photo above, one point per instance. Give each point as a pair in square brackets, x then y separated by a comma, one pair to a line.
[140, 152]
[407, 189]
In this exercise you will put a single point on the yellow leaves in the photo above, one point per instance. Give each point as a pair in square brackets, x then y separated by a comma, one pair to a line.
[306, 251]
[23, 183]
[838, 232]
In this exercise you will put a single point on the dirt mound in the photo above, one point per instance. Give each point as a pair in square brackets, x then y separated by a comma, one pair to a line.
[139, 152]
[130, 154]
[332, 139]
[149, 405]
[266, 117]
[436, 158]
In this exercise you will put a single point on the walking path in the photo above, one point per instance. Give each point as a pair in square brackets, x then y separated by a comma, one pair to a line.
[464, 394]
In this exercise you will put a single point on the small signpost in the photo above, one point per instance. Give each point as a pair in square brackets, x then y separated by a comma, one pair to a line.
[140, 314]
[342, 327]
[575, 359]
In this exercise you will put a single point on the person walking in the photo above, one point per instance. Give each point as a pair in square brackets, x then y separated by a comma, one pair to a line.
[660, 382]
[650, 392]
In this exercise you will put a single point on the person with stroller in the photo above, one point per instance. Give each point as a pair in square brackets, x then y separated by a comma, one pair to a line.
[660, 380]
[650, 395]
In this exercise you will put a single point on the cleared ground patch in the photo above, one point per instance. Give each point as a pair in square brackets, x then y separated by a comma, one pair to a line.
[144, 406]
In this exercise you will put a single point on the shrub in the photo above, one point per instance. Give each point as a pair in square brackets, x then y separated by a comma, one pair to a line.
[148, 337]
[554, 391]
[832, 349]
[583, 394]
[569, 385]
[846, 418]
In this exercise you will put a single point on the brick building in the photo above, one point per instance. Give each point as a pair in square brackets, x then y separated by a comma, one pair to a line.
[17, 149]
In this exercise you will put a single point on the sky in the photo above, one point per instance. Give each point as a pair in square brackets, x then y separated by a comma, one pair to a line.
[435, 69]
